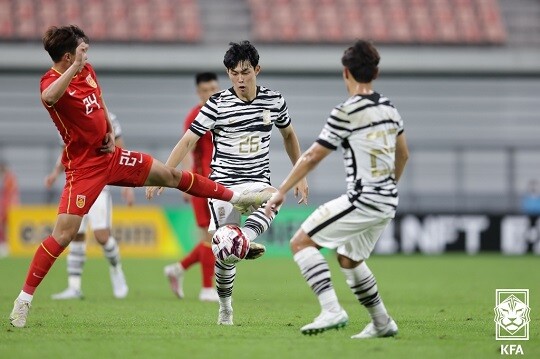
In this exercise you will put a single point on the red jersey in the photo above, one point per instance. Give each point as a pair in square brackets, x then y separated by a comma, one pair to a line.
[79, 116]
[202, 153]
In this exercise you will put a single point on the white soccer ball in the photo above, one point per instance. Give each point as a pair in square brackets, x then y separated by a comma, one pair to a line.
[229, 244]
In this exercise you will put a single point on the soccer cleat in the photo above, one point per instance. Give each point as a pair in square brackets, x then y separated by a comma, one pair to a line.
[325, 321]
[208, 295]
[255, 251]
[370, 331]
[175, 275]
[19, 313]
[68, 293]
[250, 201]
[225, 316]
[118, 281]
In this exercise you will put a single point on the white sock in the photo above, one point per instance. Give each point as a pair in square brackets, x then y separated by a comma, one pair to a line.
[75, 264]
[257, 223]
[364, 286]
[25, 296]
[225, 274]
[316, 272]
[74, 282]
[112, 251]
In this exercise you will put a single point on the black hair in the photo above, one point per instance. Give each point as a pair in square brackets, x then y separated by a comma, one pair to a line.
[205, 77]
[362, 60]
[60, 40]
[240, 52]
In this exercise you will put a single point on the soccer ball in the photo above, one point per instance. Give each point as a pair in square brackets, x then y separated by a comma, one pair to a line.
[229, 244]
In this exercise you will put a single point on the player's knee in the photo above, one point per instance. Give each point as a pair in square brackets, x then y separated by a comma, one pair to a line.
[300, 241]
[346, 262]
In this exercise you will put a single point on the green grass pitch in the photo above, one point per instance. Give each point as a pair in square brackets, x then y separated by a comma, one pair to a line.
[442, 304]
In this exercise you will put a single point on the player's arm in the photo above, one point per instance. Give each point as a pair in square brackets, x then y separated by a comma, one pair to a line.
[55, 172]
[305, 164]
[109, 140]
[57, 88]
[292, 147]
[402, 155]
[183, 147]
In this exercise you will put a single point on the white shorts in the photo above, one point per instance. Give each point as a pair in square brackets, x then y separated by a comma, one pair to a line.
[222, 213]
[338, 224]
[100, 214]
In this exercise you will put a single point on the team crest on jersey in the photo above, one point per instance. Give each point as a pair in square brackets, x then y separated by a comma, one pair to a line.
[81, 200]
[91, 81]
[266, 117]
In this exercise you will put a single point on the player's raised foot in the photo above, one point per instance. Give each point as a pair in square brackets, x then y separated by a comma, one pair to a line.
[68, 293]
[175, 275]
[255, 251]
[208, 295]
[225, 316]
[250, 201]
[18, 315]
[118, 281]
[371, 331]
[325, 321]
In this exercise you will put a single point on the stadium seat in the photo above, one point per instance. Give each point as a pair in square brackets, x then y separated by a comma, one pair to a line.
[102, 20]
[467, 22]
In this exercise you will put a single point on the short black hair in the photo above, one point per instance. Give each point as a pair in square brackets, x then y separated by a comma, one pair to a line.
[240, 52]
[362, 60]
[59, 40]
[205, 77]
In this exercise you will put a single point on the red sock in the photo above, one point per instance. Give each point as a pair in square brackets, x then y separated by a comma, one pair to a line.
[192, 258]
[199, 186]
[43, 260]
[208, 262]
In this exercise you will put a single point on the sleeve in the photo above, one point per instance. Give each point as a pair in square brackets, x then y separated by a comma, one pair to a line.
[283, 120]
[336, 129]
[191, 117]
[399, 120]
[207, 117]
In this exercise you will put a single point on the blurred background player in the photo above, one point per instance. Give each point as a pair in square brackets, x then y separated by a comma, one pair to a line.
[241, 119]
[9, 196]
[100, 218]
[199, 162]
[370, 130]
[71, 94]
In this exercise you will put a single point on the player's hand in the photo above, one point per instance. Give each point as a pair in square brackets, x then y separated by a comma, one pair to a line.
[50, 179]
[80, 56]
[128, 195]
[151, 190]
[274, 202]
[302, 190]
[108, 143]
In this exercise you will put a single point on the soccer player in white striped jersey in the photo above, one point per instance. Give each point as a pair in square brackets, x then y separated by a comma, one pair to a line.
[100, 218]
[370, 131]
[241, 119]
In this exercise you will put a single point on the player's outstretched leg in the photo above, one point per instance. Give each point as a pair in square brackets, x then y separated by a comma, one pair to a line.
[364, 286]
[316, 272]
[225, 274]
[75, 264]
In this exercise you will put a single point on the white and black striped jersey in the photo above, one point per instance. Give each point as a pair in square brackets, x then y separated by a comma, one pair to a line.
[241, 134]
[366, 127]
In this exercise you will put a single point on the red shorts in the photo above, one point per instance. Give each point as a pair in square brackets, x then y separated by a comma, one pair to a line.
[83, 186]
[201, 211]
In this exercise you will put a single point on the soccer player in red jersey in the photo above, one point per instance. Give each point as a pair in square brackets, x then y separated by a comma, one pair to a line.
[207, 85]
[71, 94]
